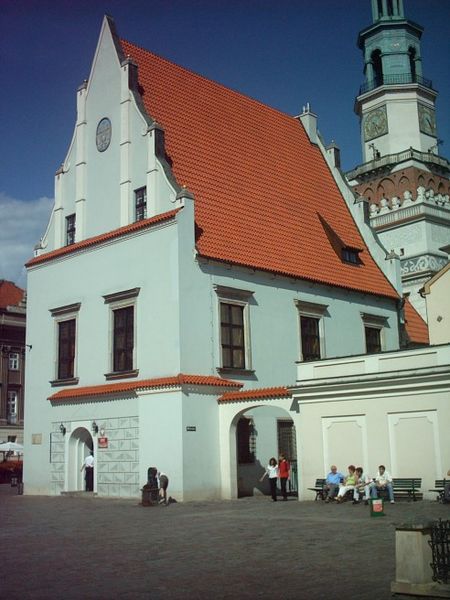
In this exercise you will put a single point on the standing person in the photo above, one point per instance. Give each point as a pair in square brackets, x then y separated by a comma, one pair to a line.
[272, 472]
[163, 485]
[283, 473]
[332, 481]
[88, 467]
[383, 481]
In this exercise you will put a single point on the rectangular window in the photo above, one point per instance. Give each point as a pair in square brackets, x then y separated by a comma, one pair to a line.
[66, 348]
[234, 328]
[70, 230]
[309, 328]
[373, 339]
[374, 326]
[232, 336]
[140, 198]
[311, 318]
[14, 361]
[12, 407]
[123, 339]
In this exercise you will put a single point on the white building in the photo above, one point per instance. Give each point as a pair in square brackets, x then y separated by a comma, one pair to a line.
[199, 244]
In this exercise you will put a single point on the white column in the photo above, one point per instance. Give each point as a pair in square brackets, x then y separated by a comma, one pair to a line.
[126, 215]
[80, 164]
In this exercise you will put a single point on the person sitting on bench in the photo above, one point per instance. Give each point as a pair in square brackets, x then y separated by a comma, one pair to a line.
[362, 485]
[349, 483]
[331, 487]
[383, 481]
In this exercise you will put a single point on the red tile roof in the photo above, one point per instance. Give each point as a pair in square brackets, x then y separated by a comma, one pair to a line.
[98, 239]
[264, 195]
[273, 392]
[145, 384]
[10, 294]
[416, 327]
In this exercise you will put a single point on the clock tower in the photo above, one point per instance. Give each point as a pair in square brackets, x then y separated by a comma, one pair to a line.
[395, 104]
[403, 178]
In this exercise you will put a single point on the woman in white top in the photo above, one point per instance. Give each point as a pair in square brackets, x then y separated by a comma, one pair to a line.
[272, 472]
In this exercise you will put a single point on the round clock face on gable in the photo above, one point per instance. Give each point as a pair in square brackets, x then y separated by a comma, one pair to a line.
[427, 120]
[103, 134]
[375, 123]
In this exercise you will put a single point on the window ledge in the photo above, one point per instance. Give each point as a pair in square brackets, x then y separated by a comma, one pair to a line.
[68, 381]
[121, 374]
[233, 371]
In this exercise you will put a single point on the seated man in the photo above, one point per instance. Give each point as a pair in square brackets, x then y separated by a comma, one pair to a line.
[362, 485]
[331, 487]
[446, 498]
[383, 481]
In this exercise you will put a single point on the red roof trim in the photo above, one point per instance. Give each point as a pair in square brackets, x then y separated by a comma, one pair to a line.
[262, 393]
[270, 156]
[416, 327]
[10, 294]
[104, 237]
[117, 388]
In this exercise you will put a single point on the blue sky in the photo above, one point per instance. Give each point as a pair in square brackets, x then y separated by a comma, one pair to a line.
[283, 53]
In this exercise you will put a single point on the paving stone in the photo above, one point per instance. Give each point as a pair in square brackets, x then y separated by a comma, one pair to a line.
[90, 547]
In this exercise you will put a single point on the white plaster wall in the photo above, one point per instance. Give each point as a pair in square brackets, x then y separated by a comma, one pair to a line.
[376, 410]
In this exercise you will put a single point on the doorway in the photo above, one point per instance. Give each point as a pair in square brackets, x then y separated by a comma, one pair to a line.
[81, 445]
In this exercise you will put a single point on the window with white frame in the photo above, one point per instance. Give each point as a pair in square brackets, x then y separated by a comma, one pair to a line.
[14, 361]
[234, 328]
[12, 407]
[66, 343]
[374, 326]
[122, 333]
[311, 325]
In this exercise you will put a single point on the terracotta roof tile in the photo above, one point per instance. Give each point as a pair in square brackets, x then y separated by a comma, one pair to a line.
[262, 190]
[416, 327]
[10, 294]
[273, 392]
[98, 239]
[125, 386]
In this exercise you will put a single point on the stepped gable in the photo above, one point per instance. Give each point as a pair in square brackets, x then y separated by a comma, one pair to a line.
[10, 294]
[262, 191]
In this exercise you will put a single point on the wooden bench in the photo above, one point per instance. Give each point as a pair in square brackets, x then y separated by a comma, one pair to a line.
[318, 488]
[439, 486]
[405, 487]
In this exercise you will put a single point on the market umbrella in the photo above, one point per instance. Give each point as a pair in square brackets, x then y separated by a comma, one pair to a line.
[11, 447]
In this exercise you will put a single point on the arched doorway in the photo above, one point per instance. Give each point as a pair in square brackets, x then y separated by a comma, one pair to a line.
[79, 446]
[257, 434]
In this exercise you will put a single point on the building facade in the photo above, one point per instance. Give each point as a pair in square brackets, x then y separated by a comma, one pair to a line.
[190, 254]
[12, 361]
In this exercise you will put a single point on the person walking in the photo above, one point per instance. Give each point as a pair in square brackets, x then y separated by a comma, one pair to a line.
[88, 467]
[272, 473]
[284, 469]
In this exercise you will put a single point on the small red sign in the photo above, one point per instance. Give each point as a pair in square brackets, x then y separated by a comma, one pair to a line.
[102, 442]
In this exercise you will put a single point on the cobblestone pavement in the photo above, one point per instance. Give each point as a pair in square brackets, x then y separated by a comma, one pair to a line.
[86, 547]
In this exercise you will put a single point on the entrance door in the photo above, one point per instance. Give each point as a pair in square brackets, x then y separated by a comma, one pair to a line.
[80, 445]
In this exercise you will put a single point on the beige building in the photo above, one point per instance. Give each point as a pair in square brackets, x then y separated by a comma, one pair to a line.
[437, 294]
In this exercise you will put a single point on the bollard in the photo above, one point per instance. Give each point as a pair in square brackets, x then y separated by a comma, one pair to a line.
[413, 557]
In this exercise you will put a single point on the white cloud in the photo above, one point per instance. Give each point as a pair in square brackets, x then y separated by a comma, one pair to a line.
[22, 224]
